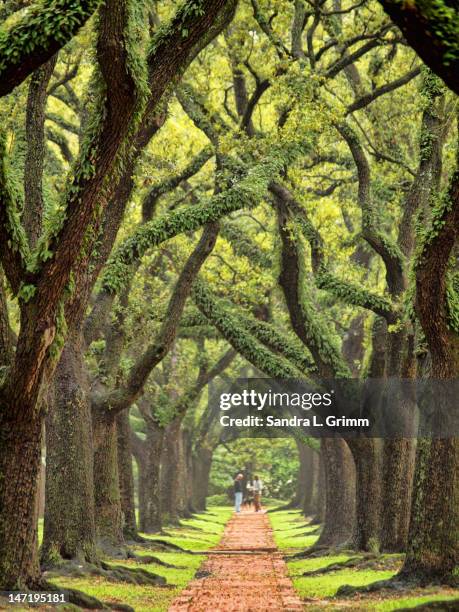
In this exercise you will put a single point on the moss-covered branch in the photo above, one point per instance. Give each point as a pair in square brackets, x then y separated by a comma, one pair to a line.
[288, 347]
[14, 249]
[230, 327]
[436, 303]
[307, 323]
[125, 395]
[32, 217]
[243, 246]
[386, 248]
[193, 105]
[345, 291]
[246, 193]
[31, 42]
[171, 183]
[190, 397]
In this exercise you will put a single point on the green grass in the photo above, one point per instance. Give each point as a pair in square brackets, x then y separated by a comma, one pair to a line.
[291, 535]
[158, 599]
[291, 532]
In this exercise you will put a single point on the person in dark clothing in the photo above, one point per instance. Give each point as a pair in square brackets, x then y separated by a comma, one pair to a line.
[238, 492]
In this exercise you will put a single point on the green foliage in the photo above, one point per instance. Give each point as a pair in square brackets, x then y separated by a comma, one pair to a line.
[274, 461]
[444, 19]
[231, 329]
[49, 21]
[10, 201]
[245, 193]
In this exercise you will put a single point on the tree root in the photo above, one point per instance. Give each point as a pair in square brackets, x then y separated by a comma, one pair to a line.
[82, 600]
[161, 545]
[400, 582]
[365, 561]
[145, 559]
[78, 598]
[133, 576]
[314, 551]
[449, 605]
[112, 573]
[393, 584]
[305, 533]
[333, 567]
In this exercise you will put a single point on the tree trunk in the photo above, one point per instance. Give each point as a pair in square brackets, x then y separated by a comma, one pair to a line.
[202, 463]
[170, 473]
[321, 501]
[20, 458]
[106, 482]
[398, 461]
[188, 480]
[313, 506]
[141, 459]
[398, 453]
[126, 475]
[340, 493]
[69, 529]
[149, 481]
[433, 553]
[307, 453]
[181, 477]
[367, 458]
[433, 539]
[299, 498]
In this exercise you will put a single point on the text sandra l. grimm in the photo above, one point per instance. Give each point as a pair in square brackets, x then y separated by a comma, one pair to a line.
[250, 408]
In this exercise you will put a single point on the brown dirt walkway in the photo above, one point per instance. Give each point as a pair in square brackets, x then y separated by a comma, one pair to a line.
[256, 580]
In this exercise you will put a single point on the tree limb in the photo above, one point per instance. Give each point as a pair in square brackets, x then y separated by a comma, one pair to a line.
[43, 30]
[432, 29]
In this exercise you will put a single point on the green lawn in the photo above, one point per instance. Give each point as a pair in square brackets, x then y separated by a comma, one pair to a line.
[196, 534]
[292, 534]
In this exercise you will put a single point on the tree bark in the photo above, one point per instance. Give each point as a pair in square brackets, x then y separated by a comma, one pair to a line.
[107, 499]
[140, 456]
[69, 528]
[433, 549]
[151, 521]
[170, 472]
[314, 506]
[321, 492]
[20, 458]
[202, 463]
[187, 442]
[397, 482]
[308, 481]
[367, 458]
[340, 493]
[312, 473]
[429, 28]
[299, 498]
[126, 476]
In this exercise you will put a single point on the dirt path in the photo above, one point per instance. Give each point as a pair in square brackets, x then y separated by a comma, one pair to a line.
[256, 580]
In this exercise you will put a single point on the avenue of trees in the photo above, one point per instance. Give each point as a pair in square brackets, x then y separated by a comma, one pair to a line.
[191, 190]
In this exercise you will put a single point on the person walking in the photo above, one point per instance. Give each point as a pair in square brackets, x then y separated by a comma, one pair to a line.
[257, 488]
[238, 492]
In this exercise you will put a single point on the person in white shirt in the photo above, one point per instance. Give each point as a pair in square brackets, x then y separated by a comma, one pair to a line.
[257, 488]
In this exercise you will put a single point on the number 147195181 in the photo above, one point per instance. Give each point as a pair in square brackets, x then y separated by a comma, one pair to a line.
[16, 597]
